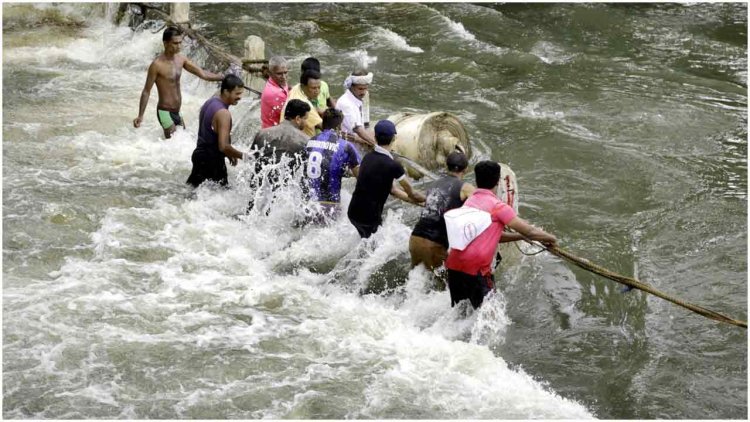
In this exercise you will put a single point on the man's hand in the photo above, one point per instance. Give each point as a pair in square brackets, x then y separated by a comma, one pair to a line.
[549, 240]
[137, 121]
[232, 161]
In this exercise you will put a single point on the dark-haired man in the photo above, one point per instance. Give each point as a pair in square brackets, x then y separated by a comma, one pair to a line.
[353, 106]
[377, 173]
[428, 244]
[285, 139]
[324, 99]
[165, 71]
[214, 140]
[328, 157]
[469, 270]
[275, 93]
[307, 90]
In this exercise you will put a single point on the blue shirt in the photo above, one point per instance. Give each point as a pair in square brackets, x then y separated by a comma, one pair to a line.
[328, 156]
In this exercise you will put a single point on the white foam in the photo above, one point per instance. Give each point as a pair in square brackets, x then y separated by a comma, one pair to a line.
[550, 53]
[192, 277]
[458, 29]
[394, 40]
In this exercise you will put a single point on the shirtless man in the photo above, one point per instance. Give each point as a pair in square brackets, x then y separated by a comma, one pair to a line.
[165, 71]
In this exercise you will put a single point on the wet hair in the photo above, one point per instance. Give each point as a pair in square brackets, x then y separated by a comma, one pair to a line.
[230, 82]
[307, 75]
[332, 118]
[487, 174]
[456, 161]
[310, 63]
[277, 61]
[171, 31]
[295, 108]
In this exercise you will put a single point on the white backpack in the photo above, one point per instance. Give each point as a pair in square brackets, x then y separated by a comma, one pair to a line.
[465, 224]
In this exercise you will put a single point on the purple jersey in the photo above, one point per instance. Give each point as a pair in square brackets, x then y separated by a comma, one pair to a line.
[327, 159]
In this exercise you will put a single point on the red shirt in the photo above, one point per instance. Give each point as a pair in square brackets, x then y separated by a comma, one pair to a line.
[478, 255]
[271, 101]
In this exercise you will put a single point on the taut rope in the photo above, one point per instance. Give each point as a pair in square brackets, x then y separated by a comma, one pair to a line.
[631, 282]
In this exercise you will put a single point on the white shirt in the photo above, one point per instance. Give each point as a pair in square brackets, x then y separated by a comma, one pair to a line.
[351, 107]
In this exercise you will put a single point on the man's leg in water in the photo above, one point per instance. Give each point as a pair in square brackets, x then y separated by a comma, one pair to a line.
[167, 122]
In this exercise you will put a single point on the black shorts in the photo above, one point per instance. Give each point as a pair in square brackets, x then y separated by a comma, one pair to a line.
[207, 166]
[365, 230]
[466, 286]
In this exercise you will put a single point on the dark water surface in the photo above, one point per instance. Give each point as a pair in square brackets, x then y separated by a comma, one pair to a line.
[626, 125]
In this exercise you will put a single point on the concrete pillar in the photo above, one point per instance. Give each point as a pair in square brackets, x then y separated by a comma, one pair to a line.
[180, 12]
[255, 49]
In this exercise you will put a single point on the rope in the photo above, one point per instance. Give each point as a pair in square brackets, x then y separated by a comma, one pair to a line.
[633, 283]
[528, 254]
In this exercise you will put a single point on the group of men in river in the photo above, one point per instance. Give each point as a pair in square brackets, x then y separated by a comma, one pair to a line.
[317, 133]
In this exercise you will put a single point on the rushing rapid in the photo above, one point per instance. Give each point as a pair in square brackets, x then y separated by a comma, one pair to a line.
[126, 294]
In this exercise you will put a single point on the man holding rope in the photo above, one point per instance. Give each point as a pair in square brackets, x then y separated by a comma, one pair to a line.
[352, 105]
[377, 174]
[469, 270]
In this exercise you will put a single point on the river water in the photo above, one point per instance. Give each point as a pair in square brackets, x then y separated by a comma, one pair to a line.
[125, 297]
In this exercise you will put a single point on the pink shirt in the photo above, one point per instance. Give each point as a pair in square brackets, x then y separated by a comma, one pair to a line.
[477, 257]
[271, 102]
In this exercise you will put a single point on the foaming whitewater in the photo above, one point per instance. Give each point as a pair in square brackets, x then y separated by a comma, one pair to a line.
[383, 35]
[458, 29]
[184, 305]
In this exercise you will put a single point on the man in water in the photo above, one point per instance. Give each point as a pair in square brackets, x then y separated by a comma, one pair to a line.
[469, 270]
[165, 71]
[428, 244]
[283, 140]
[275, 93]
[214, 140]
[377, 173]
[328, 157]
[287, 138]
[307, 90]
[324, 99]
[351, 104]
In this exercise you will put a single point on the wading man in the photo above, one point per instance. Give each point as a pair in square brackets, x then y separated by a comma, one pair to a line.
[165, 72]
[352, 105]
[328, 157]
[469, 270]
[428, 244]
[214, 140]
[275, 93]
[324, 99]
[274, 143]
[307, 90]
[377, 173]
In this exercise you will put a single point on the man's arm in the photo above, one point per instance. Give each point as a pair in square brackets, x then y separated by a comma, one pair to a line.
[355, 172]
[365, 135]
[521, 226]
[414, 196]
[203, 74]
[400, 194]
[221, 123]
[466, 190]
[510, 237]
[150, 79]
